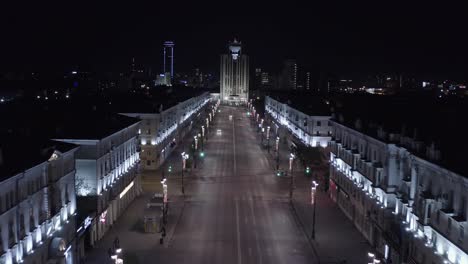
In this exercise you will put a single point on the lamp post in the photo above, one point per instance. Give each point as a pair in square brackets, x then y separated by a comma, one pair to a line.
[164, 185]
[201, 140]
[313, 190]
[263, 131]
[185, 156]
[268, 138]
[194, 152]
[291, 183]
[277, 153]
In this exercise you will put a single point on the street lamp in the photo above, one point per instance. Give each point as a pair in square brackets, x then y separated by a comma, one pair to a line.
[164, 185]
[268, 138]
[194, 152]
[263, 131]
[313, 190]
[185, 156]
[277, 153]
[291, 187]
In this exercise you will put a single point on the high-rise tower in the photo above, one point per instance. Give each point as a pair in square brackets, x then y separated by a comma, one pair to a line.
[169, 58]
[234, 74]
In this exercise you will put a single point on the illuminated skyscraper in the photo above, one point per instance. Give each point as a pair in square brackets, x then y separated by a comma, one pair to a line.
[307, 81]
[169, 58]
[234, 74]
[289, 75]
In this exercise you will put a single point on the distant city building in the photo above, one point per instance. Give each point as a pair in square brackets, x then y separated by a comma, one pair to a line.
[168, 58]
[163, 79]
[289, 76]
[234, 78]
[307, 81]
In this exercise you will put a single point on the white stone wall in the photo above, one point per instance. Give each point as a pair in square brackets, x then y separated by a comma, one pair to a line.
[427, 201]
[27, 223]
[314, 131]
[159, 130]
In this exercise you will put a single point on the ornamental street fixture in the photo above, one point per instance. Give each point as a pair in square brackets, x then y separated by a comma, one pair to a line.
[203, 131]
[277, 152]
[258, 117]
[307, 170]
[268, 138]
[201, 140]
[291, 187]
[196, 142]
[313, 191]
[185, 156]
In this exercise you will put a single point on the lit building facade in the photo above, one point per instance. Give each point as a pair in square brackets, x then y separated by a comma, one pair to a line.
[312, 130]
[37, 203]
[168, 61]
[234, 79]
[106, 175]
[289, 75]
[408, 207]
[160, 132]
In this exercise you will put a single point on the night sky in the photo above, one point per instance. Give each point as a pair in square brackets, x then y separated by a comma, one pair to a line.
[383, 36]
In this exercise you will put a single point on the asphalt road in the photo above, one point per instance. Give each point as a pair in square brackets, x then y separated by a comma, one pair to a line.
[236, 209]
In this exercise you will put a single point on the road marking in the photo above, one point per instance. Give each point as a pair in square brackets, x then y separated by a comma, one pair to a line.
[239, 255]
[255, 232]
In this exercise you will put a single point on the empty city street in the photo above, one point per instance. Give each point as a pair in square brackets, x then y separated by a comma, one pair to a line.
[236, 210]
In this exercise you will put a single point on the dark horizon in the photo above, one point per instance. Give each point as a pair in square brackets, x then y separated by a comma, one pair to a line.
[342, 38]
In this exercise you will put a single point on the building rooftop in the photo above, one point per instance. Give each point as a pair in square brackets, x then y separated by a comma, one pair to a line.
[74, 119]
[18, 154]
[307, 104]
[431, 129]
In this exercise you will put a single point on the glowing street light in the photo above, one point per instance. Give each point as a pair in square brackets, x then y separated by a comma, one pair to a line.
[373, 258]
[291, 185]
[313, 190]
[185, 156]
[277, 152]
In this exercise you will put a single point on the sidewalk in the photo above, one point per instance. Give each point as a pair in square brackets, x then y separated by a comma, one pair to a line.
[336, 238]
[129, 230]
[135, 243]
